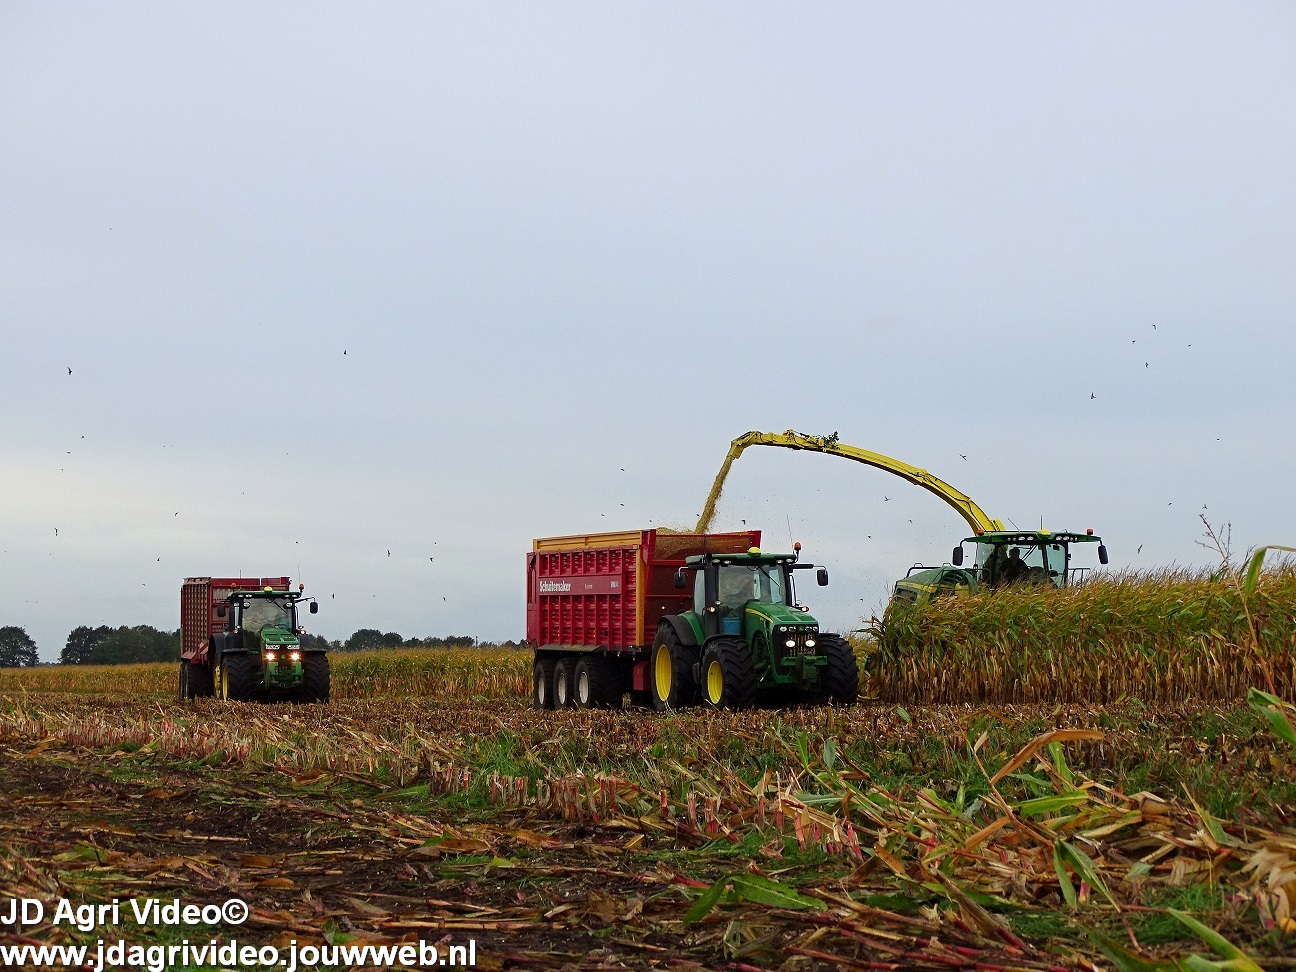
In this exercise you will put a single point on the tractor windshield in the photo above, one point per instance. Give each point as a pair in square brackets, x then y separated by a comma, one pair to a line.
[266, 612]
[739, 584]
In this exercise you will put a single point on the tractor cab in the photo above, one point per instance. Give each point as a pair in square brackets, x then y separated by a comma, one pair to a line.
[733, 593]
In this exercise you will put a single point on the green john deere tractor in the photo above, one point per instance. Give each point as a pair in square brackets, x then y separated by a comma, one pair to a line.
[746, 637]
[259, 654]
[1003, 558]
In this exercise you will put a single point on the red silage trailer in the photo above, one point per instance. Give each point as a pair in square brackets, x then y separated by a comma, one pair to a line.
[200, 618]
[602, 596]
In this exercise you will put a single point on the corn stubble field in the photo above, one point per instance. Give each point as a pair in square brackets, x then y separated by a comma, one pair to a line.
[1072, 781]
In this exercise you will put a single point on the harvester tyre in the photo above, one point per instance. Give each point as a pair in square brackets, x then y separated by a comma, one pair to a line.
[671, 683]
[542, 683]
[237, 678]
[565, 683]
[598, 684]
[839, 680]
[315, 677]
[728, 675]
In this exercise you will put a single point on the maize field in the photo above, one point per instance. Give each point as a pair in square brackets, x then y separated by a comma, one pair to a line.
[429, 800]
[1162, 638]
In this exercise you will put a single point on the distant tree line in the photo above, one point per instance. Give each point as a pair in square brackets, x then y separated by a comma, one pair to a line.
[371, 639]
[143, 643]
[120, 646]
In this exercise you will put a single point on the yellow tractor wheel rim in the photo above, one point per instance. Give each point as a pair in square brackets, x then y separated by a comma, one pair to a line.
[715, 682]
[663, 672]
[224, 683]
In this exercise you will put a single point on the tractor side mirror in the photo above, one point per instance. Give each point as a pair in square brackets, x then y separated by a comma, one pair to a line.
[957, 557]
[681, 579]
[1102, 553]
[314, 607]
[220, 611]
[821, 575]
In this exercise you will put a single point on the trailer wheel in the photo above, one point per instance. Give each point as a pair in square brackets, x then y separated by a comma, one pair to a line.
[598, 685]
[542, 683]
[237, 678]
[670, 672]
[200, 682]
[195, 681]
[728, 676]
[564, 683]
[839, 679]
[315, 677]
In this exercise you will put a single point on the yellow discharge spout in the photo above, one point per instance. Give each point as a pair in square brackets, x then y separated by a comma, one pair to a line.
[964, 504]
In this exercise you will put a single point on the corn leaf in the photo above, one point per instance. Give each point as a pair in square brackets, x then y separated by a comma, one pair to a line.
[703, 905]
[1064, 879]
[1084, 867]
[1223, 947]
[1052, 804]
[1127, 961]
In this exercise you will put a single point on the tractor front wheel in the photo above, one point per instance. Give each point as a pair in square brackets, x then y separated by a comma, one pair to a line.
[728, 676]
[839, 679]
[315, 677]
[237, 678]
[670, 672]
[542, 683]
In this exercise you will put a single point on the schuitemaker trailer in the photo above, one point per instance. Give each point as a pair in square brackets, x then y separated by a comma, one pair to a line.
[594, 603]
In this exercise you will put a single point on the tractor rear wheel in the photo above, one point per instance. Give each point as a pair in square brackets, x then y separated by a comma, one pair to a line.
[839, 679]
[315, 677]
[670, 672]
[237, 678]
[564, 683]
[598, 685]
[728, 676]
[542, 683]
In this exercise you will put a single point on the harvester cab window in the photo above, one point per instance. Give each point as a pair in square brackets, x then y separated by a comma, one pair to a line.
[264, 612]
[1056, 555]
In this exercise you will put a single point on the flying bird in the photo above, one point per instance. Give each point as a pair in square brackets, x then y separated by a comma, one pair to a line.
[1145, 364]
[56, 531]
[69, 371]
[886, 499]
[388, 553]
[1140, 549]
[344, 351]
[1092, 396]
[963, 457]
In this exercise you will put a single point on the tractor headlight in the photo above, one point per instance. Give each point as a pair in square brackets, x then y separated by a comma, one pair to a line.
[791, 643]
[810, 642]
[294, 656]
[270, 656]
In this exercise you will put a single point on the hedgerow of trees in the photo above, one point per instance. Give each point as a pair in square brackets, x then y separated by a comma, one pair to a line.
[120, 646]
[17, 650]
[143, 643]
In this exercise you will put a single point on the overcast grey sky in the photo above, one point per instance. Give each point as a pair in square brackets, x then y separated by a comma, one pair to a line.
[337, 280]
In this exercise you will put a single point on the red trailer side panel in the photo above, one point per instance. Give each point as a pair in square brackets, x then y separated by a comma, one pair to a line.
[199, 598]
[610, 590]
